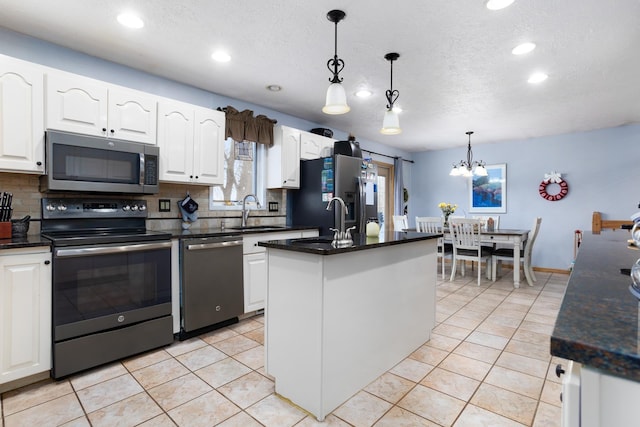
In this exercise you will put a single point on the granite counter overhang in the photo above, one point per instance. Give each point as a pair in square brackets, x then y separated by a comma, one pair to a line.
[29, 241]
[360, 242]
[597, 324]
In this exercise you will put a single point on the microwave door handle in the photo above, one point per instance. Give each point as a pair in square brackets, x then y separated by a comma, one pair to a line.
[141, 181]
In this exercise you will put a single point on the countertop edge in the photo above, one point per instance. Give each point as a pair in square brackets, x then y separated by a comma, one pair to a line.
[361, 243]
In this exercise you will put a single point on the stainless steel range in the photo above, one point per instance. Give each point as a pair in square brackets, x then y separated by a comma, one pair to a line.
[111, 281]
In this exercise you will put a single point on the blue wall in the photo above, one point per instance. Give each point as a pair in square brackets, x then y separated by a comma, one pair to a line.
[601, 168]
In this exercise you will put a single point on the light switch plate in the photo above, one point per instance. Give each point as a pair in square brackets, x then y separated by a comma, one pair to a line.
[164, 205]
[273, 206]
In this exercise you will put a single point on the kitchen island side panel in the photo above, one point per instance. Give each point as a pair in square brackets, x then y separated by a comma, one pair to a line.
[336, 323]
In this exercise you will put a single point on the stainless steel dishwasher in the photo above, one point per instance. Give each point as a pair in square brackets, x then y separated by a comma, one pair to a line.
[211, 283]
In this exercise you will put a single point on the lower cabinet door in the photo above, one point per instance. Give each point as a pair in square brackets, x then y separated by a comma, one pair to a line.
[255, 281]
[25, 315]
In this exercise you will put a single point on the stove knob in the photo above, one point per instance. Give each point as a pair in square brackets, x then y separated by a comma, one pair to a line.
[62, 208]
[134, 207]
[51, 207]
[142, 207]
[126, 208]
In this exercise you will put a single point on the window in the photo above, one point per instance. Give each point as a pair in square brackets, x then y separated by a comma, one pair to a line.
[244, 168]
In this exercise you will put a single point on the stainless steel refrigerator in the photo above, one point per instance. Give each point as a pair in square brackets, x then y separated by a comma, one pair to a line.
[320, 179]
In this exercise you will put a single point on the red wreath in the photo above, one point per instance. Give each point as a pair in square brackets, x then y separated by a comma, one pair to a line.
[564, 189]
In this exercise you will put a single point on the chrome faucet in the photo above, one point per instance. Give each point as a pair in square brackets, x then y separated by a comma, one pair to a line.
[245, 211]
[341, 237]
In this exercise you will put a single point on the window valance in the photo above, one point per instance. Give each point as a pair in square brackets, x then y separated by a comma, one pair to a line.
[242, 126]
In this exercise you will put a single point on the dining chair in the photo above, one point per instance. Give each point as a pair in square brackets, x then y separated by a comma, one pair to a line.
[400, 222]
[484, 218]
[466, 235]
[435, 224]
[501, 254]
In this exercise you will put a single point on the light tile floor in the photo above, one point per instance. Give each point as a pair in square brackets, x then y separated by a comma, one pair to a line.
[487, 363]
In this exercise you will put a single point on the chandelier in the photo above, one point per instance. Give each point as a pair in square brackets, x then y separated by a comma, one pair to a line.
[469, 167]
[336, 100]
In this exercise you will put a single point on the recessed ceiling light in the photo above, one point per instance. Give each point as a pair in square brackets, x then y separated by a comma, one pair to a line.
[274, 88]
[130, 20]
[498, 4]
[221, 56]
[363, 93]
[537, 77]
[523, 48]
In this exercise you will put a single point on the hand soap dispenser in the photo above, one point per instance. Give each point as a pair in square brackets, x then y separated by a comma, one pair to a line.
[373, 229]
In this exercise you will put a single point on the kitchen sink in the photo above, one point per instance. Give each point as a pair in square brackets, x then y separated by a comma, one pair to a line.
[258, 227]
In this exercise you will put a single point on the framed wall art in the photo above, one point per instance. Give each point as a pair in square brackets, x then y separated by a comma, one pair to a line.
[488, 194]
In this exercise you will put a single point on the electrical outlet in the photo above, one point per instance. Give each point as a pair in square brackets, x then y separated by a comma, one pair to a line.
[273, 206]
[164, 205]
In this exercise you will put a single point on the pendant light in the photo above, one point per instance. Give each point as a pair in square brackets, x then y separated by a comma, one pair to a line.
[469, 167]
[391, 121]
[336, 101]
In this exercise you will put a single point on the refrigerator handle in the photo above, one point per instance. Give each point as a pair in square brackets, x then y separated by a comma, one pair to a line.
[362, 220]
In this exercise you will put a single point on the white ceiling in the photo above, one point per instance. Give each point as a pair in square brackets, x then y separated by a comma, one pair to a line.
[455, 72]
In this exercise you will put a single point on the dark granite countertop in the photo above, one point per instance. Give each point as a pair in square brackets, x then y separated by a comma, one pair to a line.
[322, 245]
[28, 241]
[230, 231]
[597, 324]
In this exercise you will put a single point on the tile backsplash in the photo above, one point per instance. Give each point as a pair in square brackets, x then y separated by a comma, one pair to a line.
[26, 201]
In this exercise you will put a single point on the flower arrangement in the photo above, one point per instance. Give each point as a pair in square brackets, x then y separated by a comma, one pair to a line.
[447, 209]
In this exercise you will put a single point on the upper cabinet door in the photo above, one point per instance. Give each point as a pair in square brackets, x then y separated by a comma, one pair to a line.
[283, 159]
[175, 140]
[21, 116]
[208, 146]
[132, 116]
[76, 104]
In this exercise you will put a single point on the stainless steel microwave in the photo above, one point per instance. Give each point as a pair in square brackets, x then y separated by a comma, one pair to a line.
[84, 163]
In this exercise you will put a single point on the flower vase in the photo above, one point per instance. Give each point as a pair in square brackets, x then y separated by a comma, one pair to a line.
[446, 220]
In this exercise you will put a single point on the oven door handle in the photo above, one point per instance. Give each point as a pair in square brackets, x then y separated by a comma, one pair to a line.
[102, 250]
[202, 246]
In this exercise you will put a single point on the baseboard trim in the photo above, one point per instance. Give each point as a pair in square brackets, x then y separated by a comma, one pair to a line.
[540, 269]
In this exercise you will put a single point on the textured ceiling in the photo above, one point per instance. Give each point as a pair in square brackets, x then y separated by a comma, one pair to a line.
[455, 72]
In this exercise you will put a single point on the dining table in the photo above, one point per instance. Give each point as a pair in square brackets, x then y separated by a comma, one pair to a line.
[507, 236]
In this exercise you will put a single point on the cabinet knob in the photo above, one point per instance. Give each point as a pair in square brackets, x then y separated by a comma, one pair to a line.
[47, 262]
[197, 176]
[113, 131]
[191, 176]
[104, 129]
[559, 370]
[39, 163]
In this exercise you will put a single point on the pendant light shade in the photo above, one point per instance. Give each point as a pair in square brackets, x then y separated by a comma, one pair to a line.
[391, 121]
[336, 101]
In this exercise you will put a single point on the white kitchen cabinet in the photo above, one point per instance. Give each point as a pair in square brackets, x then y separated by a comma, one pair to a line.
[191, 141]
[255, 265]
[283, 159]
[21, 116]
[25, 312]
[83, 105]
[313, 146]
[594, 398]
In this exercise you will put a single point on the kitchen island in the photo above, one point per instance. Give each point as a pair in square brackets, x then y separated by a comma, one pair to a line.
[598, 328]
[337, 318]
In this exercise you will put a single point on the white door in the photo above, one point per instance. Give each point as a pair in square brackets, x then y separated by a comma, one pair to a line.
[208, 146]
[25, 315]
[175, 140]
[132, 116]
[21, 116]
[76, 104]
